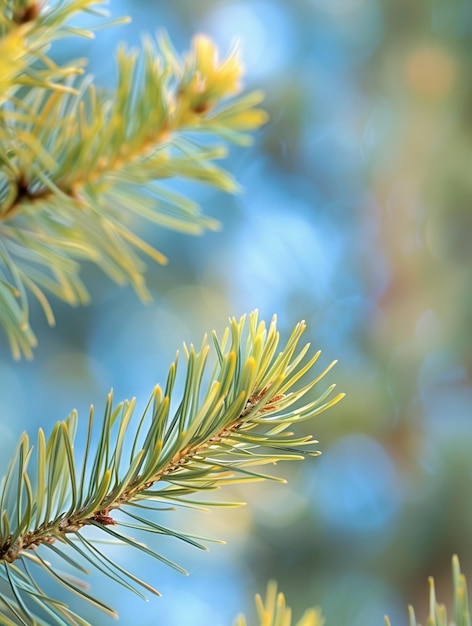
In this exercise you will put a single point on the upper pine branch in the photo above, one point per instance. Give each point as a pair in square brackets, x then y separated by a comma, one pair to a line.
[75, 166]
[225, 426]
[27, 29]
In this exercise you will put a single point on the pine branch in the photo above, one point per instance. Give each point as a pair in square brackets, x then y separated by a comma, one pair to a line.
[77, 169]
[226, 426]
[27, 30]
[275, 612]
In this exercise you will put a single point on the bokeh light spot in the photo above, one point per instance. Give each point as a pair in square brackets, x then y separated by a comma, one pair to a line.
[357, 487]
[262, 28]
[430, 71]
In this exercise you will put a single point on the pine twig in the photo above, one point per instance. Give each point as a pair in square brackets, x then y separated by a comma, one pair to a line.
[226, 425]
[273, 611]
[77, 169]
[438, 612]
[27, 30]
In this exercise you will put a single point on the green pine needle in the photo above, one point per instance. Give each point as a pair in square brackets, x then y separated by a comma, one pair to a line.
[273, 611]
[232, 418]
[78, 169]
[27, 30]
[438, 612]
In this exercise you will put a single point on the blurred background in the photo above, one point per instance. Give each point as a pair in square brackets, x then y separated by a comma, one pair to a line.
[356, 216]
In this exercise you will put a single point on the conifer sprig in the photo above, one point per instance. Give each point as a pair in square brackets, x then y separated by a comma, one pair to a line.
[27, 30]
[273, 611]
[227, 425]
[77, 169]
[437, 615]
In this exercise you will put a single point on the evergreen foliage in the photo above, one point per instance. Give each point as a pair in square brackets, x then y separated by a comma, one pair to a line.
[223, 429]
[80, 169]
[438, 612]
[77, 165]
[275, 612]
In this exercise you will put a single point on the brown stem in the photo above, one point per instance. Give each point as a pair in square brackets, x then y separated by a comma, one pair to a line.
[27, 14]
[72, 188]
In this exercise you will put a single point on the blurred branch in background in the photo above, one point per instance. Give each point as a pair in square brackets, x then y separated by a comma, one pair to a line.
[273, 611]
[438, 612]
[77, 167]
